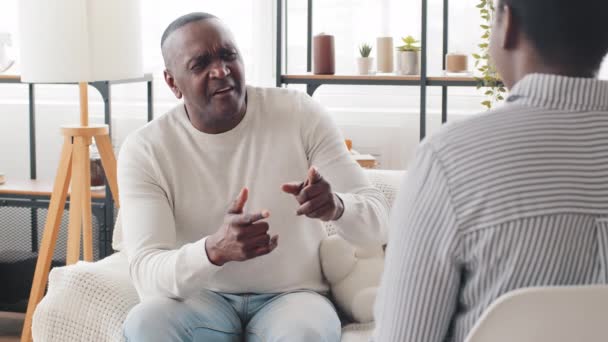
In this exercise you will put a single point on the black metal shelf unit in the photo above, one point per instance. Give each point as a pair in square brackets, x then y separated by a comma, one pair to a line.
[423, 81]
[103, 208]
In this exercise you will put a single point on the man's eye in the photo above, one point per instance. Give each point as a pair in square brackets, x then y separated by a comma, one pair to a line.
[196, 67]
[230, 56]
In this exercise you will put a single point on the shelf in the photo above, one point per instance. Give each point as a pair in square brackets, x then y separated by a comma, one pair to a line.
[31, 188]
[10, 78]
[310, 76]
[313, 82]
[383, 79]
[452, 81]
[35, 187]
[17, 79]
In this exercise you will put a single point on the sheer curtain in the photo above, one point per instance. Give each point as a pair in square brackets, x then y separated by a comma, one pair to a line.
[252, 23]
[384, 120]
[380, 120]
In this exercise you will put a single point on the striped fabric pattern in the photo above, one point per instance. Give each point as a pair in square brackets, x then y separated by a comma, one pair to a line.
[512, 198]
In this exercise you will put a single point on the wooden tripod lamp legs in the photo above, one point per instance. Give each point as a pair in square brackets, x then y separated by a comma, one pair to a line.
[74, 166]
[108, 161]
[49, 237]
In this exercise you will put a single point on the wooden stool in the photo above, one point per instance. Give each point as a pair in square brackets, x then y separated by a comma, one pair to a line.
[74, 167]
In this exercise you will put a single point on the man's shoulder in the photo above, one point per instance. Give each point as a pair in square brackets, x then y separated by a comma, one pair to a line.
[153, 131]
[161, 123]
[274, 93]
[280, 101]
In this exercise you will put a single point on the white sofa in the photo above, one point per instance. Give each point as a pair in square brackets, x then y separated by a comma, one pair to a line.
[90, 301]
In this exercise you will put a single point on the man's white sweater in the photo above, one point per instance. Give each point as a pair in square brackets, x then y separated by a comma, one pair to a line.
[176, 184]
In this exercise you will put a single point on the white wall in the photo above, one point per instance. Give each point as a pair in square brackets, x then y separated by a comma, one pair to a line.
[388, 131]
[380, 120]
[50, 116]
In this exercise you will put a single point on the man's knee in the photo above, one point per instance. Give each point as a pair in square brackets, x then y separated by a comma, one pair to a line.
[306, 331]
[298, 317]
[205, 318]
[147, 319]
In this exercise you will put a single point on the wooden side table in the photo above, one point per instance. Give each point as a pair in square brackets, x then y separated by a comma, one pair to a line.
[33, 195]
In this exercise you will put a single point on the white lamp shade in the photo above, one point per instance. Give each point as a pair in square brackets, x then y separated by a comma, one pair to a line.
[79, 40]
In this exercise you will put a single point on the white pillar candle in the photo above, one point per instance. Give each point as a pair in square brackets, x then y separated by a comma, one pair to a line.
[384, 51]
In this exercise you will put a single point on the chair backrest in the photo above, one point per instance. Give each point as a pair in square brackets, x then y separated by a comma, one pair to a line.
[546, 314]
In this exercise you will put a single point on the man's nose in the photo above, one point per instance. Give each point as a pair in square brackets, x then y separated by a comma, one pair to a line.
[219, 69]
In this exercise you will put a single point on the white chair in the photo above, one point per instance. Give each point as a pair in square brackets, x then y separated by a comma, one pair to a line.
[89, 301]
[546, 314]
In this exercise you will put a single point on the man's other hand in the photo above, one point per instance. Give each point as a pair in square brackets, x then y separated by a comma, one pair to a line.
[315, 197]
[243, 236]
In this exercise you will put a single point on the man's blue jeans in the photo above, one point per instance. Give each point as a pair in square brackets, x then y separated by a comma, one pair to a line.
[217, 317]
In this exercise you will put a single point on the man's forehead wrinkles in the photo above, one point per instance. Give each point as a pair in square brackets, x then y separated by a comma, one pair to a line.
[199, 41]
[207, 51]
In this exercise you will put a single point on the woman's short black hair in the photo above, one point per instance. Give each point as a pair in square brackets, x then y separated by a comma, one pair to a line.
[571, 33]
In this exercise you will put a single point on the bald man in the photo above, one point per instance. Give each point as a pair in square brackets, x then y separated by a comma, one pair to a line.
[223, 199]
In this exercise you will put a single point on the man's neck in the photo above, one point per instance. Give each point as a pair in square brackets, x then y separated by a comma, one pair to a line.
[226, 123]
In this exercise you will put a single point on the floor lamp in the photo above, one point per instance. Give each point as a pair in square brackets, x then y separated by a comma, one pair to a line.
[76, 41]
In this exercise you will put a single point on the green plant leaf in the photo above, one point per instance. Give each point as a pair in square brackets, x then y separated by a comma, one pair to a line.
[365, 49]
[488, 76]
[408, 44]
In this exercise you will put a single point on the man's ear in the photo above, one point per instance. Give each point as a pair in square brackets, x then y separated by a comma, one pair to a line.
[510, 29]
[171, 83]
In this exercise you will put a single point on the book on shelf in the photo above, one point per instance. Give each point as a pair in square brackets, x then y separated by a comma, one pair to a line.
[365, 160]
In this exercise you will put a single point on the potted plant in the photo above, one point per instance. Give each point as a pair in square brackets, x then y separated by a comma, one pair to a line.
[488, 78]
[408, 57]
[364, 63]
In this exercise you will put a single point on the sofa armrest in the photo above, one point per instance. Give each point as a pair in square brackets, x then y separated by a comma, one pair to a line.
[86, 302]
[387, 181]
[358, 332]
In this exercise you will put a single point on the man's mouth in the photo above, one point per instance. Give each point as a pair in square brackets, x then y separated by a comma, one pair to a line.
[223, 91]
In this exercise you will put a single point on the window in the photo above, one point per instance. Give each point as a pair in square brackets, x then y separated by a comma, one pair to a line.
[384, 120]
[380, 120]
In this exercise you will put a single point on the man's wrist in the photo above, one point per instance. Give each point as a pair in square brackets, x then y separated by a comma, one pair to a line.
[212, 254]
[339, 207]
